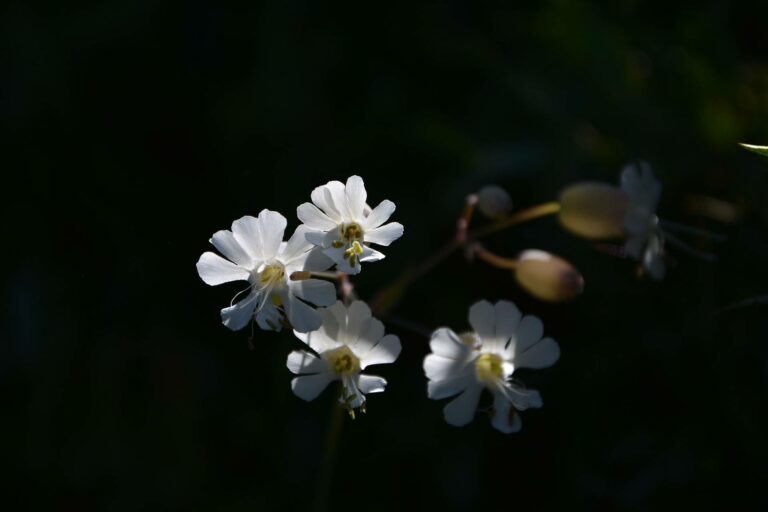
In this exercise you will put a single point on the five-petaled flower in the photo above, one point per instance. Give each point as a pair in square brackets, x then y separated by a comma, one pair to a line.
[343, 225]
[349, 340]
[503, 341]
[257, 254]
[645, 239]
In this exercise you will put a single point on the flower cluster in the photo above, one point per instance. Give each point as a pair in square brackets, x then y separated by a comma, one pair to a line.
[289, 286]
[286, 289]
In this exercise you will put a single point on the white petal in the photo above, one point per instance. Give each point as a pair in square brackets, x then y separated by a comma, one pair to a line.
[529, 332]
[325, 201]
[446, 343]
[442, 368]
[214, 269]
[385, 234]
[297, 246]
[272, 228]
[379, 215]
[520, 397]
[482, 318]
[324, 338]
[322, 238]
[461, 410]
[358, 314]
[384, 352]
[507, 320]
[356, 196]
[238, 316]
[307, 387]
[437, 389]
[302, 362]
[315, 261]
[541, 355]
[371, 331]
[370, 255]
[225, 242]
[371, 384]
[501, 415]
[316, 291]
[246, 232]
[303, 318]
[269, 318]
[337, 256]
[311, 215]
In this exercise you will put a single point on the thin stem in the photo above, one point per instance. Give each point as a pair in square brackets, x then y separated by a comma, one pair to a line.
[325, 477]
[492, 258]
[520, 217]
[388, 296]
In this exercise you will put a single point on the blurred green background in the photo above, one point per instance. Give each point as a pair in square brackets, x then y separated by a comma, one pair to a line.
[133, 130]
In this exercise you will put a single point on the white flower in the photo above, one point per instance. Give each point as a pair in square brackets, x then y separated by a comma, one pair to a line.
[257, 254]
[349, 340]
[344, 226]
[503, 341]
[645, 239]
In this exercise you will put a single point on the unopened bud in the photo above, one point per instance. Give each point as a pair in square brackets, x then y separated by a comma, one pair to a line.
[547, 277]
[593, 210]
[494, 202]
[300, 275]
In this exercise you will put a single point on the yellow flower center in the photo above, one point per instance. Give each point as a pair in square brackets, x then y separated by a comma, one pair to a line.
[343, 361]
[488, 368]
[272, 275]
[351, 232]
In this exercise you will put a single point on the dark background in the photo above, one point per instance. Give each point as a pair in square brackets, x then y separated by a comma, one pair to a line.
[132, 130]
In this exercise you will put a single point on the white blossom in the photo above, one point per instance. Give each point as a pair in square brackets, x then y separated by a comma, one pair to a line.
[256, 253]
[502, 341]
[348, 341]
[645, 238]
[343, 225]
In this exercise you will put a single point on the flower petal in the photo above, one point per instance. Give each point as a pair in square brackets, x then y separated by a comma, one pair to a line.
[271, 228]
[316, 291]
[246, 232]
[303, 318]
[323, 197]
[302, 362]
[385, 234]
[442, 368]
[384, 352]
[379, 215]
[213, 270]
[507, 319]
[371, 383]
[307, 387]
[461, 410]
[270, 318]
[225, 242]
[337, 256]
[482, 318]
[502, 420]
[543, 354]
[446, 343]
[238, 316]
[370, 255]
[529, 332]
[313, 218]
[437, 389]
[356, 196]
[297, 247]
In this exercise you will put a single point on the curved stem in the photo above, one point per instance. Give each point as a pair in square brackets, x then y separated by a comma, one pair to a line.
[387, 297]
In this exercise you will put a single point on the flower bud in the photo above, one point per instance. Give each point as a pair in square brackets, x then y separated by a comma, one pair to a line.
[494, 202]
[548, 277]
[593, 210]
